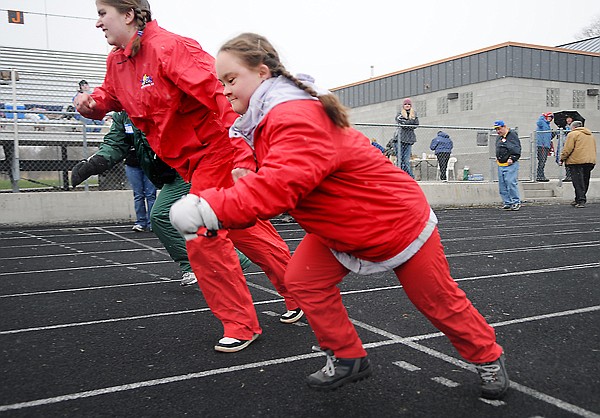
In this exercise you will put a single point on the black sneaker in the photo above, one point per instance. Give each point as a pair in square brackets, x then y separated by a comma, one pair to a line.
[291, 316]
[516, 206]
[580, 205]
[231, 345]
[494, 379]
[339, 371]
[506, 207]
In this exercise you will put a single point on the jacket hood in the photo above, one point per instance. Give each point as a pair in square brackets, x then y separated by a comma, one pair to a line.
[583, 130]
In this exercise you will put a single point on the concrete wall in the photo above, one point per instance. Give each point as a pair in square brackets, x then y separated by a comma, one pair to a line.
[518, 101]
[117, 206]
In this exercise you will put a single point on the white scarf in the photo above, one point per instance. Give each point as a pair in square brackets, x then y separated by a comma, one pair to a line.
[270, 93]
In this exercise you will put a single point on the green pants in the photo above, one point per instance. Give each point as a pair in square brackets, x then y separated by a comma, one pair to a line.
[166, 233]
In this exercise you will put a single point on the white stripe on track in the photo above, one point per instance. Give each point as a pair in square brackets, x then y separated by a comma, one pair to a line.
[394, 339]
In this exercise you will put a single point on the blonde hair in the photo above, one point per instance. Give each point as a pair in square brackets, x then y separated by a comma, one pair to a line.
[143, 15]
[254, 50]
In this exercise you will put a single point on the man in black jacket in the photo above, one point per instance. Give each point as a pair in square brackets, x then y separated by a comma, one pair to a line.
[508, 152]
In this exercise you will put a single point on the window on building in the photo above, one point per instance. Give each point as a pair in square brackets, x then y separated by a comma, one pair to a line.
[578, 99]
[552, 97]
[421, 108]
[442, 105]
[466, 101]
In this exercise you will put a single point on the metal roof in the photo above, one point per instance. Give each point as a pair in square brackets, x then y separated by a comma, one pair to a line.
[589, 45]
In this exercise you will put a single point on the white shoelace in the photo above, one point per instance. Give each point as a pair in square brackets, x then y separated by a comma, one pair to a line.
[329, 369]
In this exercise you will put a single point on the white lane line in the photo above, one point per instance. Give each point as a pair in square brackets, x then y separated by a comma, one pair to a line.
[148, 247]
[446, 382]
[15, 273]
[409, 342]
[155, 382]
[395, 339]
[493, 402]
[407, 366]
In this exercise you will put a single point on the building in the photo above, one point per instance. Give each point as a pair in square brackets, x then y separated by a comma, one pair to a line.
[513, 81]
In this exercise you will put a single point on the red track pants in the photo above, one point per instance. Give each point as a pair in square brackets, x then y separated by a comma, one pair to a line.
[314, 272]
[217, 266]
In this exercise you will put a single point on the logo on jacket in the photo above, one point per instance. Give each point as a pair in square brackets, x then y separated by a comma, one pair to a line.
[147, 81]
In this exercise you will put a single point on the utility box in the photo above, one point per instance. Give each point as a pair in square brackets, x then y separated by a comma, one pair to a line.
[482, 139]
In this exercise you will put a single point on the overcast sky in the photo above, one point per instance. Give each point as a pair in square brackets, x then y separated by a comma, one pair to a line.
[337, 41]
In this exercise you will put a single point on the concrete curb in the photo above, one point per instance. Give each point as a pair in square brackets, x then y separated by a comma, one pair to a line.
[117, 206]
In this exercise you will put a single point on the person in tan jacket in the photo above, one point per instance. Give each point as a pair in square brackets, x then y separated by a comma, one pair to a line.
[579, 154]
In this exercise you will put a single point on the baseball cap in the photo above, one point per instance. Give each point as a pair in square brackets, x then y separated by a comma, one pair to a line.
[499, 124]
[548, 115]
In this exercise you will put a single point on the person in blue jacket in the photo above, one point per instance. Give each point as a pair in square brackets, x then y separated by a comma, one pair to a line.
[442, 146]
[543, 140]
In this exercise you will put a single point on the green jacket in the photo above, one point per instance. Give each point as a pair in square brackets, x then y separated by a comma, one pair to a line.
[122, 136]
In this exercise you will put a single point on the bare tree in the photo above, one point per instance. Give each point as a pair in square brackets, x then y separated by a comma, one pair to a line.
[592, 30]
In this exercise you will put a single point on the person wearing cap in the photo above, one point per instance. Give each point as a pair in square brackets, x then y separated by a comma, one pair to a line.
[543, 140]
[579, 154]
[508, 152]
[408, 121]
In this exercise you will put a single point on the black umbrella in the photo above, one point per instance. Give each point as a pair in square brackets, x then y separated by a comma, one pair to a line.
[560, 118]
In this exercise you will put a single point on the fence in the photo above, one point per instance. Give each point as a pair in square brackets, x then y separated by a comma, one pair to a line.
[474, 148]
[41, 139]
[41, 135]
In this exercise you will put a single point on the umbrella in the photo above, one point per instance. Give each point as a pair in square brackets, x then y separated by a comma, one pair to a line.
[560, 118]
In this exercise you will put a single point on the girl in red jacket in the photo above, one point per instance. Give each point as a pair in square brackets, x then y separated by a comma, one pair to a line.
[167, 85]
[360, 213]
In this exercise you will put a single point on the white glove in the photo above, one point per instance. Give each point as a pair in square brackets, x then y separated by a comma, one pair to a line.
[190, 213]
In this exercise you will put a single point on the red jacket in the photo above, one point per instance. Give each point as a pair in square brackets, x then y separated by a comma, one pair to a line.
[171, 93]
[332, 181]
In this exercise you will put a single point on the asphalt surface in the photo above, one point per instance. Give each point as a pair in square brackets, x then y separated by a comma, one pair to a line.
[94, 323]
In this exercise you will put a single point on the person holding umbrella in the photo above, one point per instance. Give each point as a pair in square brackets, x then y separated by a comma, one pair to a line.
[563, 120]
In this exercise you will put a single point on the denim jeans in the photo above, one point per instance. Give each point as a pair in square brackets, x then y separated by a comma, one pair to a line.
[144, 195]
[405, 152]
[508, 183]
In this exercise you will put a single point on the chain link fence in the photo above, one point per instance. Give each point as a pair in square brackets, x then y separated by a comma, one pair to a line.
[42, 136]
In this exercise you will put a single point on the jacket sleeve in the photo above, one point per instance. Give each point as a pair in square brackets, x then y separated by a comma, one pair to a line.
[115, 145]
[433, 144]
[243, 156]
[568, 147]
[284, 177]
[193, 72]
[515, 146]
[106, 99]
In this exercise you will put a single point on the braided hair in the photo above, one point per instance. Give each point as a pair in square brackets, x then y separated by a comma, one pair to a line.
[143, 15]
[254, 50]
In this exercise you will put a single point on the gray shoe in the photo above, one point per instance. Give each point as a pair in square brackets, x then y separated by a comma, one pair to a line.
[339, 371]
[188, 278]
[494, 379]
[516, 206]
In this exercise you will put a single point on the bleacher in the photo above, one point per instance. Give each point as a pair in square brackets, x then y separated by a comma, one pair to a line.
[46, 83]
[48, 79]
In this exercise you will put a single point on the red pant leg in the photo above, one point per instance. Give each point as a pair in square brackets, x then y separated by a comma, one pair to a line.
[223, 285]
[427, 282]
[262, 244]
[312, 277]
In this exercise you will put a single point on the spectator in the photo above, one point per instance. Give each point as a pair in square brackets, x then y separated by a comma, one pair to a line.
[144, 192]
[442, 146]
[84, 87]
[565, 133]
[113, 149]
[333, 181]
[167, 85]
[508, 152]
[579, 154]
[407, 120]
[376, 145]
[543, 139]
